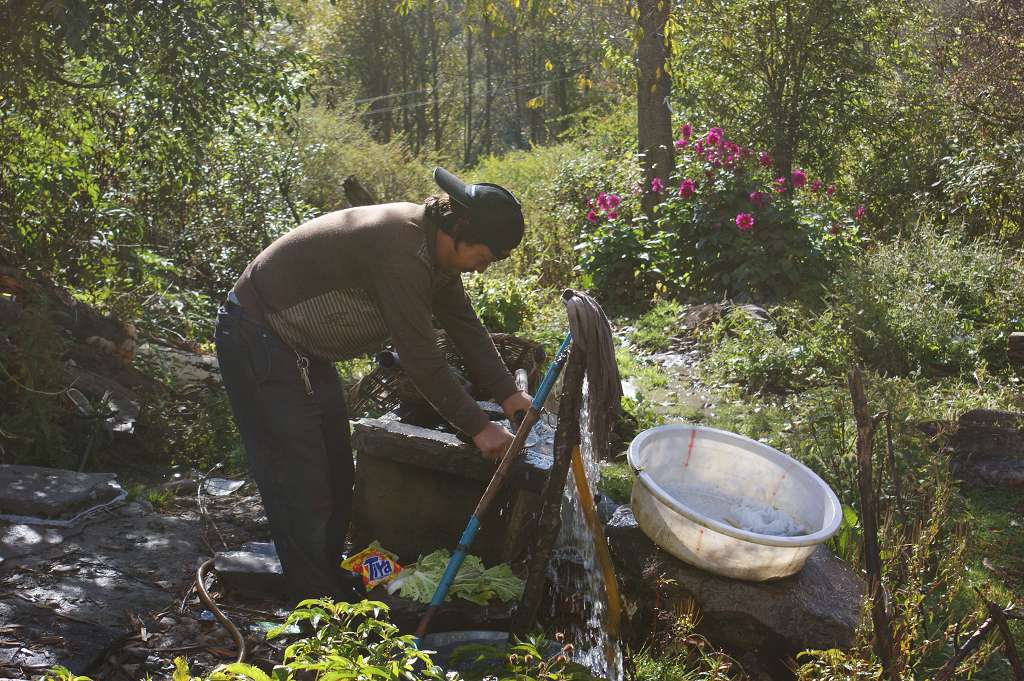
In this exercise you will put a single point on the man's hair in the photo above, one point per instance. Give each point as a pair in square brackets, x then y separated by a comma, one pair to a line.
[451, 218]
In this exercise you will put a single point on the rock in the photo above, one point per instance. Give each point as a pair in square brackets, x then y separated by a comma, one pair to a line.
[21, 540]
[253, 571]
[53, 493]
[606, 508]
[988, 448]
[184, 367]
[139, 507]
[818, 608]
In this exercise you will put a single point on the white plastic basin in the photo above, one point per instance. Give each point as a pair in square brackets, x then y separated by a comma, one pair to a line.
[692, 481]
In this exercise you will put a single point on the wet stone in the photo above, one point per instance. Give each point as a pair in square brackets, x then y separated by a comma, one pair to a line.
[416, 487]
[253, 571]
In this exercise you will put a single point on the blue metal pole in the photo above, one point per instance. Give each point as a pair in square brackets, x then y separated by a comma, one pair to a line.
[466, 540]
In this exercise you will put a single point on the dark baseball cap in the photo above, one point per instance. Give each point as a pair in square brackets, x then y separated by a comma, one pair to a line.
[495, 214]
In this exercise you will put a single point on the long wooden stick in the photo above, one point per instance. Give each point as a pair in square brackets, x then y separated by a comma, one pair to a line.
[869, 515]
[974, 642]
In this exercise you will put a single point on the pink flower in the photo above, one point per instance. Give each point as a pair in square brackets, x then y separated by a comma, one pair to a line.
[591, 216]
[698, 147]
[602, 201]
[757, 198]
[714, 137]
[681, 143]
[612, 215]
[686, 130]
[657, 185]
[613, 201]
[799, 178]
[687, 187]
[745, 221]
[830, 190]
[859, 213]
[815, 185]
[764, 159]
[780, 184]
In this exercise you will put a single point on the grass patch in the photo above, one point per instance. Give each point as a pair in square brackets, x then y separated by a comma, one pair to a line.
[658, 327]
[616, 481]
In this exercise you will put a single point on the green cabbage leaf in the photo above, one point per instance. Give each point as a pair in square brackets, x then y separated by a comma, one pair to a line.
[473, 582]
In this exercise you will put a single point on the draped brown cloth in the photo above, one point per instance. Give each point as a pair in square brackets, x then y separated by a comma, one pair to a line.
[592, 334]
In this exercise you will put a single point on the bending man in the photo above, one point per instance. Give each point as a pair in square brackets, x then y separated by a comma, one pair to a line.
[335, 288]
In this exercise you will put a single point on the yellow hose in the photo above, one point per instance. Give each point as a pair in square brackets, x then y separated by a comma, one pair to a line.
[604, 556]
[221, 617]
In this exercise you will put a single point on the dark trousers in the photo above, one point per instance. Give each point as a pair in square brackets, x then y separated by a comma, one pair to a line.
[298, 450]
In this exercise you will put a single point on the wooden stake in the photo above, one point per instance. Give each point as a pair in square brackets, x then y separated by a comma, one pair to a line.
[866, 425]
[567, 436]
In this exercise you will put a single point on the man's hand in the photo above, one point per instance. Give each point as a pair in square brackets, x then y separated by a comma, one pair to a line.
[518, 401]
[493, 441]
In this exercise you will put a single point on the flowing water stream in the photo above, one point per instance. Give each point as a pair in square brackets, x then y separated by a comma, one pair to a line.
[576, 575]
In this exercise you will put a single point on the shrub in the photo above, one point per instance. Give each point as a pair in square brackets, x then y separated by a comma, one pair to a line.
[333, 144]
[937, 304]
[504, 304]
[794, 351]
[723, 228]
[33, 408]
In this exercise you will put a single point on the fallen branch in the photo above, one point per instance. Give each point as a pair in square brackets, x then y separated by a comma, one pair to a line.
[975, 640]
[997, 615]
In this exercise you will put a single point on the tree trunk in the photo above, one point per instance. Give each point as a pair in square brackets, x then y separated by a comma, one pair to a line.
[434, 68]
[488, 47]
[654, 118]
[467, 156]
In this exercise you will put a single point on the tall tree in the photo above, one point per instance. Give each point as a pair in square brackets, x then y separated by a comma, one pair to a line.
[653, 88]
[789, 71]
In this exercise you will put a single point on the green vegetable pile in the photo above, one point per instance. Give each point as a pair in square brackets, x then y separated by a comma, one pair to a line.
[473, 582]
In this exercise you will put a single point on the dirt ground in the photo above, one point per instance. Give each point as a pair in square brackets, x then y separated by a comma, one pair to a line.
[114, 597]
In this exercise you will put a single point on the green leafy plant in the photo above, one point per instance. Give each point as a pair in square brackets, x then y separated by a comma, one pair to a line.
[503, 303]
[350, 640]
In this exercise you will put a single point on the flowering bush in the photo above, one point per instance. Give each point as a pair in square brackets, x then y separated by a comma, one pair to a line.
[727, 224]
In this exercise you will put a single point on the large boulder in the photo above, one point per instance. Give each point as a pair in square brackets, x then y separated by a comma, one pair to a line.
[988, 448]
[818, 608]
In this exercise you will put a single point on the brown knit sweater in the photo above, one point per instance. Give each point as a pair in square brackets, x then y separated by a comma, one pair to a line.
[341, 284]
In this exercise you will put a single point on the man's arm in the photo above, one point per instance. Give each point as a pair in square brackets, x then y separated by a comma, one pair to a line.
[402, 287]
[485, 366]
[486, 369]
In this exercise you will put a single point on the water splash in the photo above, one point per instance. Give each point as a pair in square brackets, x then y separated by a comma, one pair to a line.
[577, 580]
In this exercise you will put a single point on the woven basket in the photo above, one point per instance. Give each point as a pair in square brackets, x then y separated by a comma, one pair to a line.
[381, 390]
